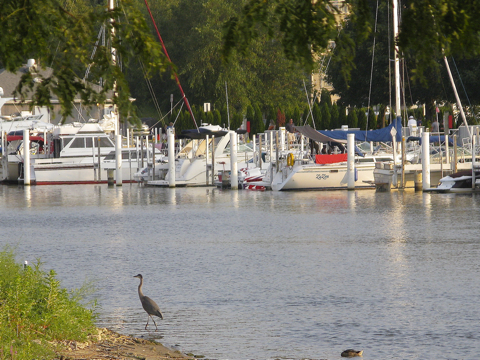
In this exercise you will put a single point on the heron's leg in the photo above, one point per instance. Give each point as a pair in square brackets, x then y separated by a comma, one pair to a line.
[156, 328]
[148, 318]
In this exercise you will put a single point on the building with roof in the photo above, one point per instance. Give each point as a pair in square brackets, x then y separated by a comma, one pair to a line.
[13, 108]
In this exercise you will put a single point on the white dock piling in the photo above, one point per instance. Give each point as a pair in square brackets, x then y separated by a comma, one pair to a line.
[171, 157]
[259, 159]
[351, 161]
[26, 157]
[233, 161]
[118, 158]
[282, 139]
[207, 161]
[474, 159]
[302, 146]
[425, 160]
[254, 151]
[4, 156]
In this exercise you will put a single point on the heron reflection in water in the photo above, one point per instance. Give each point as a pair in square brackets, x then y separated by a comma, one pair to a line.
[148, 304]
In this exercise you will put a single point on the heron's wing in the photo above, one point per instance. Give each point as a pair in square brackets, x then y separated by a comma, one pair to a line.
[151, 307]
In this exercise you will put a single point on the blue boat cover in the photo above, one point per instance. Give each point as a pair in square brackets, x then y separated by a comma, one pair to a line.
[382, 135]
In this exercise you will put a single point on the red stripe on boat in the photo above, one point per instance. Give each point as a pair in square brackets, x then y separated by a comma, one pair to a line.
[330, 159]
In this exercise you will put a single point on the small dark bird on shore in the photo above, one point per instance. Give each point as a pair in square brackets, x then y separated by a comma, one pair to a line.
[351, 353]
[148, 304]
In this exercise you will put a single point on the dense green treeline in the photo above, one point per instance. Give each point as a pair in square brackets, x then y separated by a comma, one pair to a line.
[264, 78]
[263, 84]
[193, 34]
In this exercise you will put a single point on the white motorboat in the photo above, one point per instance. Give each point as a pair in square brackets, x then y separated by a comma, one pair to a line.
[191, 166]
[76, 154]
[459, 182]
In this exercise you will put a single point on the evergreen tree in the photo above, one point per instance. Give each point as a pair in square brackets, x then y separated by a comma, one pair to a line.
[258, 120]
[325, 110]
[325, 97]
[362, 119]
[334, 115]
[352, 119]
[224, 117]
[317, 117]
[342, 116]
[209, 117]
[372, 119]
[296, 115]
[217, 117]
[236, 120]
[251, 118]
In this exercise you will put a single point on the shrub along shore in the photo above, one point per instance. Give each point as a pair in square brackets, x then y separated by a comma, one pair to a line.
[41, 320]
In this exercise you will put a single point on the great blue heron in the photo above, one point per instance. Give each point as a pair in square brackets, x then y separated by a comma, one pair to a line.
[148, 304]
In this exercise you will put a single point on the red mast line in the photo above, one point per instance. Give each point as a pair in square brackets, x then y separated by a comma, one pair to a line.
[168, 57]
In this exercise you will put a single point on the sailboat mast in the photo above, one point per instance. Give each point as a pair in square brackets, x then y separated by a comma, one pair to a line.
[111, 7]
[459, 103]
[396, 9]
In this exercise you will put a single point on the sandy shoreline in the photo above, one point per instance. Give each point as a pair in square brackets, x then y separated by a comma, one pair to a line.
[111, 345]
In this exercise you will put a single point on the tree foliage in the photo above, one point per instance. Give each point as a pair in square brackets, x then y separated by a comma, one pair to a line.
[192, 31]
[62, 36]
[305, 27]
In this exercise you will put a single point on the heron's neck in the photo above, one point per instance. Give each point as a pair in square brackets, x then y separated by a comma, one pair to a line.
[140, 293]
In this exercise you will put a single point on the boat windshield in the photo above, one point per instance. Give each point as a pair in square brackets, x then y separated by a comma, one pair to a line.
[87, 142]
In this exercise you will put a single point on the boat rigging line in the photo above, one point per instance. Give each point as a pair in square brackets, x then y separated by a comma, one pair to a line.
[371, 70]
[168, 57]
[152, 93]
[464, 90]
[308, 101]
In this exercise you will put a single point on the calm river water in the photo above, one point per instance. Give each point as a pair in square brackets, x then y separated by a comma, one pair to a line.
[263, 275]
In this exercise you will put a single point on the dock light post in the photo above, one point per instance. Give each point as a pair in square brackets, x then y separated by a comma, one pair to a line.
[26, 157]
[425, 160]
[233, 161]
[171, 157]
[118, 160]
[351, 161]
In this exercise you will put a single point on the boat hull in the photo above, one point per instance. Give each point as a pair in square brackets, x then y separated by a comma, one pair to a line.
[322, 177]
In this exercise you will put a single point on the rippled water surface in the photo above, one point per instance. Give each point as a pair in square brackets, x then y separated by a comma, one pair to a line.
[262, 275]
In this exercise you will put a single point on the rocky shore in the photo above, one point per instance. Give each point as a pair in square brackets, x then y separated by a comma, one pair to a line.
[111, 345]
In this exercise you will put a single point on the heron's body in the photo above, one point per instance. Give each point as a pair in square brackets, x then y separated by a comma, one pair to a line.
[148, 304]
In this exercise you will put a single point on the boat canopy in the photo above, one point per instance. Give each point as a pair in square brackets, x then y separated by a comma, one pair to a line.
[380, 135]
[315, 135]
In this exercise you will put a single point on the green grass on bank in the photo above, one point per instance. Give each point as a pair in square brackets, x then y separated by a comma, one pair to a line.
[36, 313]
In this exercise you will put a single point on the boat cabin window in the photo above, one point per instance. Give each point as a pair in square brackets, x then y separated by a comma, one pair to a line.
[365, 160]
[112, 156]
[104, 142]
[81, 143]
[78, 143]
